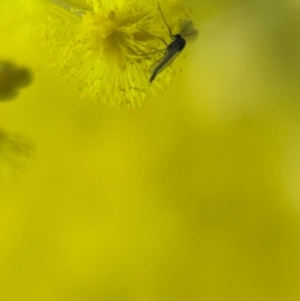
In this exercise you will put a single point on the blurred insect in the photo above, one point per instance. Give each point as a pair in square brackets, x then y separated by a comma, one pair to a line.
[12, 79]
[174, 48]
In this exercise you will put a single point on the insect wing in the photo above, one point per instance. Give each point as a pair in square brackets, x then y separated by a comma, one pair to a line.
[163, 63]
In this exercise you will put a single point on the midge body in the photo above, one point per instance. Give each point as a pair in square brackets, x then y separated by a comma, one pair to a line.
[171, 52]
[173, 49]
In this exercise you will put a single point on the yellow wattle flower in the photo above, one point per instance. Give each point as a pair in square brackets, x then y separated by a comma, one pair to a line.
[104, 46]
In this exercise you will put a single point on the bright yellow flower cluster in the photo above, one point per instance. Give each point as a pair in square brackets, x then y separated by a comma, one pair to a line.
[107, 47]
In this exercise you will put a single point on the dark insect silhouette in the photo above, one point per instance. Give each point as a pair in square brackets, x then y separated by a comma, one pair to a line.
[174, 48]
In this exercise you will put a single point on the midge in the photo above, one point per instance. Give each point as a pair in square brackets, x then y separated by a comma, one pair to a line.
[173, 49]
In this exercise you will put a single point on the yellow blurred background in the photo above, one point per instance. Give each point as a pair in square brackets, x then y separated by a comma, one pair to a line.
[194, 197]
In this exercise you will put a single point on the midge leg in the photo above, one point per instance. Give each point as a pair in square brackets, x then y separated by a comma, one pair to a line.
[153, 36]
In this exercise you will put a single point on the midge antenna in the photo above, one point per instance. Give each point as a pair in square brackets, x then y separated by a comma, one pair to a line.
[169, 28]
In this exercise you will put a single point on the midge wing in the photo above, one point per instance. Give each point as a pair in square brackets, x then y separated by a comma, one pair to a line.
[163, 63]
